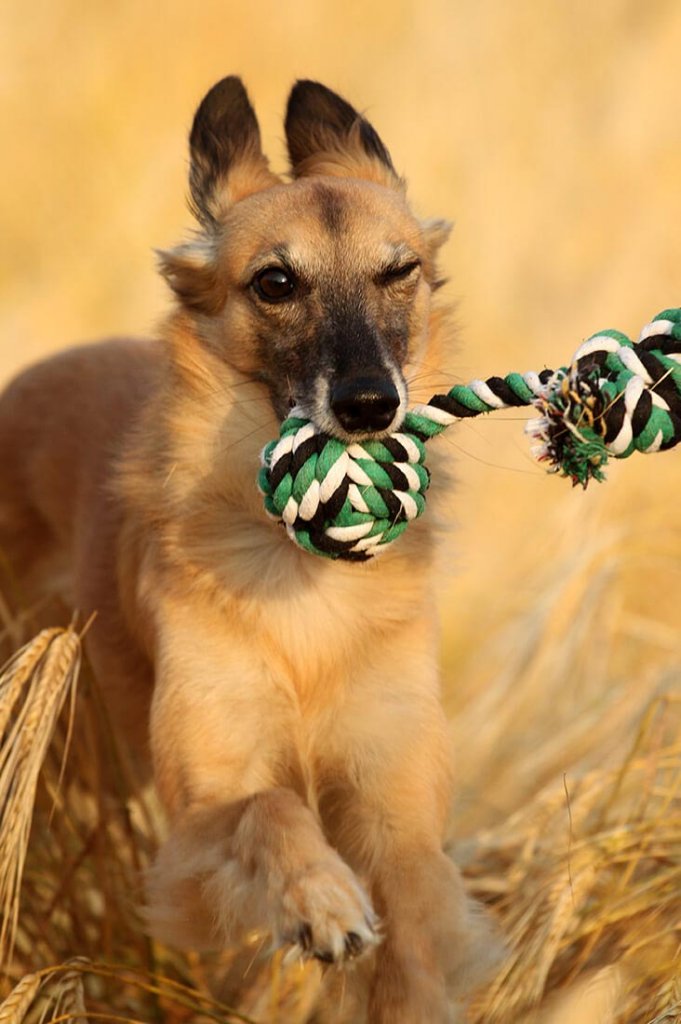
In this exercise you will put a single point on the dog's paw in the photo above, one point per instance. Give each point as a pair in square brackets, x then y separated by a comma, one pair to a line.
[327, 915]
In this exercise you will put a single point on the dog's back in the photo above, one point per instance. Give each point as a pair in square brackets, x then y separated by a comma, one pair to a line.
[62, 423]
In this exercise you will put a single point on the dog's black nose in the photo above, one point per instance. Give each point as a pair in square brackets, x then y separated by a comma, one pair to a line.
[364, 403]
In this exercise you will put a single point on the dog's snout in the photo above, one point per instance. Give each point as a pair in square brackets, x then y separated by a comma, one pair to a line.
[364, 403]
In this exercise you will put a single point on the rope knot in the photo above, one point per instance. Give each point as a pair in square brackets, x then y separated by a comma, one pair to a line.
[342, 501]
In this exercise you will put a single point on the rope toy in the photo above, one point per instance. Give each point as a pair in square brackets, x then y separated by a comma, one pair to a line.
[349, 501]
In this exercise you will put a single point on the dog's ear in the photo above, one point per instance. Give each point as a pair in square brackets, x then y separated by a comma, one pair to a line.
[326, 135]
[435, 233]
[227, 162]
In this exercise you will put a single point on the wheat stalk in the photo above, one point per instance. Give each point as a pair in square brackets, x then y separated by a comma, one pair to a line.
[69, 992]
[18, 670]
[14, 1008]
[43, 674]
[61, 990]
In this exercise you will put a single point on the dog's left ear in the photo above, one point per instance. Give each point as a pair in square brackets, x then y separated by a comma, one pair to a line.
[435, 234]
[326, 135]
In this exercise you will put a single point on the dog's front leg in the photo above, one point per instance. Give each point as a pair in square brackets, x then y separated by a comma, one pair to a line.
[244, 851]
[390, 823]
[417, 890]
[422, 966]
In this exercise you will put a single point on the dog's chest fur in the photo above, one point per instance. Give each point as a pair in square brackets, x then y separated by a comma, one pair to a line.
[314, 624]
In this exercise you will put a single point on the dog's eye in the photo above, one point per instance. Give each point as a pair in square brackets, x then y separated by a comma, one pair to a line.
[399, 271]
[273, 284]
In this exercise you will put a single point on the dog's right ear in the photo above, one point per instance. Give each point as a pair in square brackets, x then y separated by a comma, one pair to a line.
[227, 161]
[226, 164]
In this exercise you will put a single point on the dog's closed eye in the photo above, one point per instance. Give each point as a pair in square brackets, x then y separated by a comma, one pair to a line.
[399, 271]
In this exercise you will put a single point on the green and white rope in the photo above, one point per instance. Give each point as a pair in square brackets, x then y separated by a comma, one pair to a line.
[349, 501]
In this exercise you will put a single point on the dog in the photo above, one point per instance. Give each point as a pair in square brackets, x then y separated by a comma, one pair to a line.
[288, 704]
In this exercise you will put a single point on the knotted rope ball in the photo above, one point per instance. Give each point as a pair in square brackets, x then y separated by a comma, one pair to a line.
[348, 501]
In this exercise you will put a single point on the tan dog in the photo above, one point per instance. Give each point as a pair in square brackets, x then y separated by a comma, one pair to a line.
[297, 739]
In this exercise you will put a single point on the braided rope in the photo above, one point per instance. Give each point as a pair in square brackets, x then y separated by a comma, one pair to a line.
[348, 501]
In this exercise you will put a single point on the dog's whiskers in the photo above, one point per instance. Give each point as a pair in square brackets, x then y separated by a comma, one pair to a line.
[230, 447]
[448, 439]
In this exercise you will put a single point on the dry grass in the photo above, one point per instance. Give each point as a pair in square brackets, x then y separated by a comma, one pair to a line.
[584, 879]
[550, 133]
[587, 883]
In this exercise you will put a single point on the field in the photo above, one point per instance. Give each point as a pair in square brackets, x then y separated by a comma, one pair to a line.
[550, 134]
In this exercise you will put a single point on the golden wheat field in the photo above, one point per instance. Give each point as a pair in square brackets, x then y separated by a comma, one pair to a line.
[551, 134]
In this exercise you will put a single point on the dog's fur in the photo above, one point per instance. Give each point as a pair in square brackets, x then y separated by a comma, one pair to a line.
[296, 734]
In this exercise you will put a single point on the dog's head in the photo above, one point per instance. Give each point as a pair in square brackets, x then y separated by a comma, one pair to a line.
[319, 287]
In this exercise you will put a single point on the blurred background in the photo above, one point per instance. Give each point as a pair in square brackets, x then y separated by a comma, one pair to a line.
[551, 135]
